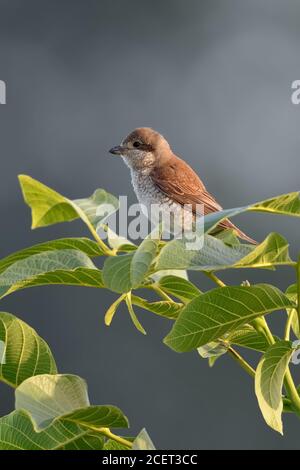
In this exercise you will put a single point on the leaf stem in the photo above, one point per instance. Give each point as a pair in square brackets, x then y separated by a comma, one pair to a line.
[107, 432]
[241, 361]
[161, 293]
[214, 278]
[132, 314]
[106, 250]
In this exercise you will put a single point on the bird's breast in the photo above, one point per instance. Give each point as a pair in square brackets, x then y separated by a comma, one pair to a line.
[145, 190]
[152, 198]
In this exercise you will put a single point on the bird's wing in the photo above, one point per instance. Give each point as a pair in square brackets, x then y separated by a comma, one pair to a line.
[178, 181]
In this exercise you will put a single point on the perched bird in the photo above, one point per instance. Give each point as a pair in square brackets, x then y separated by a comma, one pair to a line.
[160, 177]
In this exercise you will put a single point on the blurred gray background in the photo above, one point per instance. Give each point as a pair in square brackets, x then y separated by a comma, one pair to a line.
[215, 78]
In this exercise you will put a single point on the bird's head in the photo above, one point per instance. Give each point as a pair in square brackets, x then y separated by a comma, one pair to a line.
[142, 149]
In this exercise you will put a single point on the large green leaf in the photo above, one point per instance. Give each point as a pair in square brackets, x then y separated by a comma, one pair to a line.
[220, 311]
[17, 433]
[49, 207]
[87, 246]
[215, 255]
[64, 266]
[285, 204]
[53, 412]
[25, 354]
[269, 381]
[47, 397]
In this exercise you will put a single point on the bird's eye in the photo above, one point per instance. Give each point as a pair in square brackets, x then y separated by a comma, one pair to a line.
[136, 144]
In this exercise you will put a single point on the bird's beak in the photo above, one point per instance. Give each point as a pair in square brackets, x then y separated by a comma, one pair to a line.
[118, 150]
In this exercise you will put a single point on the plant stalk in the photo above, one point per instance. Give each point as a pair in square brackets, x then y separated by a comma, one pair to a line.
[298, 290]
[161, 293]
[241, 361]
[292, 391]
[107, 433]
[288, 325]
[214, 278]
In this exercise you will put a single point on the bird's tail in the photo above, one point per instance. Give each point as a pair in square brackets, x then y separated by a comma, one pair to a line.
[242, 235]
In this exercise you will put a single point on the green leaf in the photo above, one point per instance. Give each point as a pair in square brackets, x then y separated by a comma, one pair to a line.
[89, 441]
[212, 360]
[47, 397]
[169, 272]
[113, 445]
[26, 353]
[87, 246]
[116, 273]
[17, 433]
[142, 260]
[181, 288]
[228, 237]
[98, 416]
[133, 316]
[49, 207]
[215, 255]
[213, 349]
[220, 311]
[125, 272]
[292, 294]
[274, 250]
[269, 381]
[66, 266]
[143, 441]
[248, 337]
[111, 311]
[163, 308]
[53, 412]
[285, 204]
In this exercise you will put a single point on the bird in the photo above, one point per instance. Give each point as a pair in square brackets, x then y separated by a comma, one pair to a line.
[159, 177]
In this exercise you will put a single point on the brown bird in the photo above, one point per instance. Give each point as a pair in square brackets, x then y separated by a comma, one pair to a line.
[160, 177]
